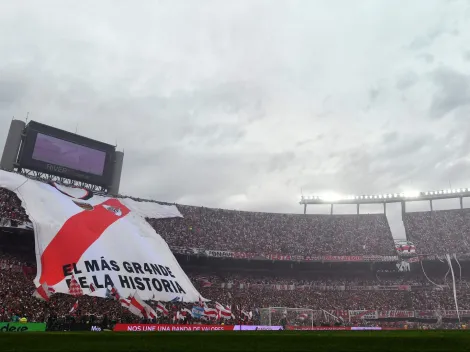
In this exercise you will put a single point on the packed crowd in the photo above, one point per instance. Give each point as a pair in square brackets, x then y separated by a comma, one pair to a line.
[10, 207]
[247, 292]
[17, 287]
[325, 280]
[439, 232]
[293, 234]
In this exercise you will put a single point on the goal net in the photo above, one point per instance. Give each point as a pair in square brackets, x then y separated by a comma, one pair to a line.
[273, 316]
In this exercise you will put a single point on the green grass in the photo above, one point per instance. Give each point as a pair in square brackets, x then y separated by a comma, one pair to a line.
[402, 341]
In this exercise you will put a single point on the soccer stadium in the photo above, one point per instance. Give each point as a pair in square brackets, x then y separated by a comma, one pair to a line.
[250, 175]
[78, 257]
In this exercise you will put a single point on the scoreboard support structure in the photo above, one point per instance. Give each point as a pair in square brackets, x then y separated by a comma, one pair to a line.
[12, 145]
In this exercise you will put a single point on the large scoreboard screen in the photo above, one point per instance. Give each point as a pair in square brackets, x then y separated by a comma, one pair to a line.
[61, 153]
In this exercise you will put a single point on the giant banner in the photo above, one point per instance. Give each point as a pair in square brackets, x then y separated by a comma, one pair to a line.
[100, 242]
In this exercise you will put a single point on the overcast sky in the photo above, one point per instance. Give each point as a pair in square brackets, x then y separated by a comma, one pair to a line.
[241, 104]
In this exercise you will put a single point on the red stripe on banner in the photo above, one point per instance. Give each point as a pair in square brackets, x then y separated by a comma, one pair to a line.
[77, 235]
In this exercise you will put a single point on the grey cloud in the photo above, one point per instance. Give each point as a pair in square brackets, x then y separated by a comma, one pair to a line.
[207, 179]
[280, 161]
[396, 146]
[428, 58]
[219, 105]
[453, 92]
[426, 40]
[373, 94]
[10, 91]
[390, 137]
[407, 80]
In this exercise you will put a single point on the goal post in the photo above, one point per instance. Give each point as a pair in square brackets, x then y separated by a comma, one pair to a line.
[272, 316]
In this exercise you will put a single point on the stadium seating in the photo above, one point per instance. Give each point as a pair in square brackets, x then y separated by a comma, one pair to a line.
[291, 234]
[439, 232]
[10, 207]
[255, 232]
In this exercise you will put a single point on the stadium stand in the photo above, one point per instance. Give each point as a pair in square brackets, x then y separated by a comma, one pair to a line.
[292, 234]
[248, 291]
[438, 232]
[10, 208]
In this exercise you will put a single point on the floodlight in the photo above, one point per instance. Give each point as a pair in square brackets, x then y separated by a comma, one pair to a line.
[411, 194]
[331, 197]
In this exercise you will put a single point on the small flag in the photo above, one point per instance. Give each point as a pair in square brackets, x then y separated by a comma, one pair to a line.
[137, 306]
[162, 309]
[125, 302]
[74, 307]
[92, 288]
[43, 292]
[211, 312]
[205, 282]
[114, 294]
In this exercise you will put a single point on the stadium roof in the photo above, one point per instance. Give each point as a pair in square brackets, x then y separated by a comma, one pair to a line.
[334, 198]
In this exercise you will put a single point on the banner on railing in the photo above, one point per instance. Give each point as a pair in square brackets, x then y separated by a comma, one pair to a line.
[383, 314]
[362, 314]
[394, 288]
[282, 257]
[179, 328]
[285, 287]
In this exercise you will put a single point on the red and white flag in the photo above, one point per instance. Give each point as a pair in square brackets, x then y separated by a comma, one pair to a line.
[223, 312]
[138, 307]
[247, 315]
[162, 309]
[43, 292]
[92, 288]
[125, 302]
[74, 307]
[205, 282]
[74, 288]
[115, 293]
[78, 231]
[211, 312]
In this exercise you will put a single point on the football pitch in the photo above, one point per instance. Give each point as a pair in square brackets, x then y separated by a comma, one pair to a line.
[239, 341]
